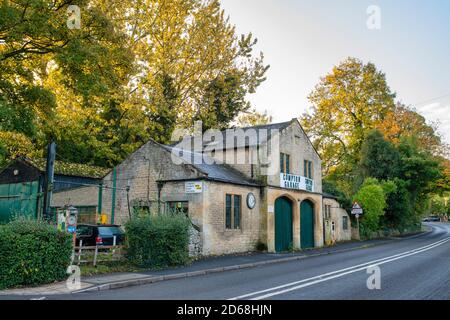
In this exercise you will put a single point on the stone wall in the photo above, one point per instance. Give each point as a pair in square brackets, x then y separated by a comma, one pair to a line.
[217, 239]
[195, 243]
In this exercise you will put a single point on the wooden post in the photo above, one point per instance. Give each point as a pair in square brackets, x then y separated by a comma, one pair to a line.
[79, 251]
[114, 247]
[48, 180]
[95, 256]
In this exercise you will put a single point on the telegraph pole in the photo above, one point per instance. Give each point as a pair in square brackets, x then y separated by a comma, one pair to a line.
[48, 180]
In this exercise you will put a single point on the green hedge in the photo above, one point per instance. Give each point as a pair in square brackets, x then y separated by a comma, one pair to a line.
[158, 240]
[32, 253]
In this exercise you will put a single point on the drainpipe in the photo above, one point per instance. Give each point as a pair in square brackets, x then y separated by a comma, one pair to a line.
[160, 185]
[100, 198]
[113, 204]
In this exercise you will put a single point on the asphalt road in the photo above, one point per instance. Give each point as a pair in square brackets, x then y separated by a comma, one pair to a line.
[411, 268]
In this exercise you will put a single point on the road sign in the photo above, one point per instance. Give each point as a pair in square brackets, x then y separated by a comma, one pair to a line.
[357, 209]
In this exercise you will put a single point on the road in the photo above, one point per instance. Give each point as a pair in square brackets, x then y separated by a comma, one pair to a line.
[412, 268]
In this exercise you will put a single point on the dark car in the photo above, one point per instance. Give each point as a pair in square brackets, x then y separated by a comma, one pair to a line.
[432, 219]
[101, 234]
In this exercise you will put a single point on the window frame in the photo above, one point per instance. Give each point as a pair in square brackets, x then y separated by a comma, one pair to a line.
[233, 212]
[345, 223]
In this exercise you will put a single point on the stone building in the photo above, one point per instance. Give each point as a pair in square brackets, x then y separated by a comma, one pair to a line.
[275, 201]
[337, 223]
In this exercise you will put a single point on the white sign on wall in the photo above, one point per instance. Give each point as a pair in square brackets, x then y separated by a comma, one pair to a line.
[290, 181]
[270, 209]
[193, 187]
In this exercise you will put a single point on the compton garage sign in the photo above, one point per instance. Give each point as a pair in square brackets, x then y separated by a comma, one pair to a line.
[291, 181]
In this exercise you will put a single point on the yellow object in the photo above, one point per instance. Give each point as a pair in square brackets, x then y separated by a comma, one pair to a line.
[103, 219]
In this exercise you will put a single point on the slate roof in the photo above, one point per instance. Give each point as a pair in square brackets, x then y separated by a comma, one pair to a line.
[329, 196]
[215, 171]
[261, 139]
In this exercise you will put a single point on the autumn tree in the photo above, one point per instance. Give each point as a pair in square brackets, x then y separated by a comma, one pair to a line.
[134, 70]
[403, 121]
[253, 118]
[348, 102]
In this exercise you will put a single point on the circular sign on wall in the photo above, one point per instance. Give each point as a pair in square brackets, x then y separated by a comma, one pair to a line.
[251, 200]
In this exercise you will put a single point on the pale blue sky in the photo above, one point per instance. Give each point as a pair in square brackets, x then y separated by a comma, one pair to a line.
[303, 39]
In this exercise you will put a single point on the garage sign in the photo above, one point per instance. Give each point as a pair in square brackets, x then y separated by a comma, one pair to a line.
[193, 187]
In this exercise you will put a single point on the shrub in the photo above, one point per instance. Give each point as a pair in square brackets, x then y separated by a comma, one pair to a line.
[32, 253]
[372, 198]
[158, 240]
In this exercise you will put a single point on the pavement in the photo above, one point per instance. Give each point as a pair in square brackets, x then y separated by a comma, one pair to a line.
[197, 270]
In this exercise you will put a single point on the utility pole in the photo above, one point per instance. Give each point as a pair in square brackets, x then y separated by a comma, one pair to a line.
[48, 180]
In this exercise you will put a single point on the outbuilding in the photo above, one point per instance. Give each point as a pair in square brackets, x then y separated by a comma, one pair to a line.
[21, 186]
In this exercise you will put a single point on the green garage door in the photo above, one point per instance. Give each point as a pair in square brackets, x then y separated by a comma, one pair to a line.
[283, 224]
[307, 224]
[18, 199]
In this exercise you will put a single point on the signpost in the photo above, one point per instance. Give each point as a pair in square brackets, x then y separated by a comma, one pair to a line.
[357, 211]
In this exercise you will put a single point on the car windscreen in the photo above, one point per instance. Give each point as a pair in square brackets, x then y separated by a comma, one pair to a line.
[109, 231]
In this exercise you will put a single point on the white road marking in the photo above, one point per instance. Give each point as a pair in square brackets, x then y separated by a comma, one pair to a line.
[41, 298]
[336, 274]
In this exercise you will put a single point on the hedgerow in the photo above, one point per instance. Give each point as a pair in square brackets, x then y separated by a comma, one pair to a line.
[158, 240]
[32, 253]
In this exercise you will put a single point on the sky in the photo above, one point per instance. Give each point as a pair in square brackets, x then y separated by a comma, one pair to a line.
[303, 39]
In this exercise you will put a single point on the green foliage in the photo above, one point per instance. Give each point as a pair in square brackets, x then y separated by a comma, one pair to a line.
[32, 253]
[379, 157]
[103, 90]
[158, 240]
[330, 187]
[373, 201]
[399, 211]
[438, 206]
[348, 102]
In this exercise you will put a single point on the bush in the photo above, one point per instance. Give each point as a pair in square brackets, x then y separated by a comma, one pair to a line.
[32, 253]
[372, 198]
[158, 240]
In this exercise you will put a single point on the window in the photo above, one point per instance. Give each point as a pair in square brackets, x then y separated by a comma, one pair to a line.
[285, 163]
[327, 213]
[307, 169]
[233, 211]
[84, 231]
[178, 207]
[288, 171]
[345, 223]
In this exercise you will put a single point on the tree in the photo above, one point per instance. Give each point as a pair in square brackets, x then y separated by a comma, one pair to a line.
[379, 158]
[252, 118]
[222, 101]
[403, 121]
[135, 70]
[372, 198]
[347, 103]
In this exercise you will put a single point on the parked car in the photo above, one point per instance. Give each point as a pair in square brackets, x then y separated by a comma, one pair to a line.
[432, 219]
[101, 234]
